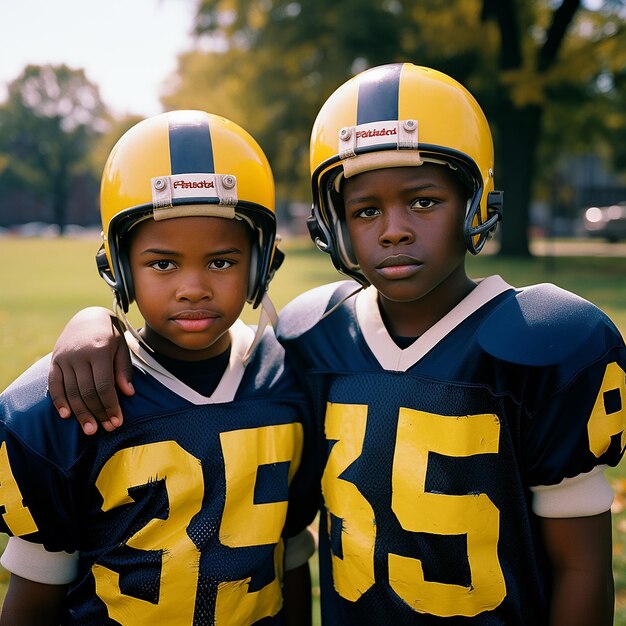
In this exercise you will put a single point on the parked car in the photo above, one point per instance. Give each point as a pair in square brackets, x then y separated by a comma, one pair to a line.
[608, 222]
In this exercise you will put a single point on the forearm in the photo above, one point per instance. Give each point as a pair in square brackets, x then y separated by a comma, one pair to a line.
[28, 603]
[580, 600]
[581, 553]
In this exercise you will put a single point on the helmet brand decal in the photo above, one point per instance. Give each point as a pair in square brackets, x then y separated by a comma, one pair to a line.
[210, 188]
[393, 134]
[193, 184]
[376, 132]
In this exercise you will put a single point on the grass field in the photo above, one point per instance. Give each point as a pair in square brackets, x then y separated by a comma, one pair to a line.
[44, 281]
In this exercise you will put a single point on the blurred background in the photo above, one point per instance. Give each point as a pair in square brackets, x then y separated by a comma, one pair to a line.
[550, 75]
[75, 74]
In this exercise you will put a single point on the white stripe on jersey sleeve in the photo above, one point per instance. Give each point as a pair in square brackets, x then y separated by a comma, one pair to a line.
[33, 562]
[581, 496]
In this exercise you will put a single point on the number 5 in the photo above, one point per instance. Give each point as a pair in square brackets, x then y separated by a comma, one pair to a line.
[472, 515]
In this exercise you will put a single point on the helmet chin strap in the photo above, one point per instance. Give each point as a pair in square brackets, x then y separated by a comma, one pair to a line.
[336, 306]
[268, 316]
[119, 313]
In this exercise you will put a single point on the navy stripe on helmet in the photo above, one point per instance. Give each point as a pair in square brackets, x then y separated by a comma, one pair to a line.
[378, 94]
[191, 149]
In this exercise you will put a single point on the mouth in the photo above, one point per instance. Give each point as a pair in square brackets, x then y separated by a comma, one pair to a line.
[194, 320]
[399, 266]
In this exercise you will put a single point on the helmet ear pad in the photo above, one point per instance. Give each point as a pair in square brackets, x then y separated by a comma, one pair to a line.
[328, 230]
[340, 227]
[253, 271]
[262, 270]
[122, 286]
[126, 276]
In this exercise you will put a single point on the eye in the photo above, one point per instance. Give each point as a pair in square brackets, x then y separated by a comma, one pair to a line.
[162, 265]
[423, 203]
[220, 264]
[367, 212]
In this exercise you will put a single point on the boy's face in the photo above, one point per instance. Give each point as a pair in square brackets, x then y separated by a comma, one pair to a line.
[406, 229]
[190, 278]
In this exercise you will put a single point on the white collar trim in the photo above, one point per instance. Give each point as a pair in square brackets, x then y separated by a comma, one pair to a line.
[241, 337]
[388, 354]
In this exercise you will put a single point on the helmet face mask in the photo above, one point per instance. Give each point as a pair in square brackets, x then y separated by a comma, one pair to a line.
[399, 115]
[180, 164]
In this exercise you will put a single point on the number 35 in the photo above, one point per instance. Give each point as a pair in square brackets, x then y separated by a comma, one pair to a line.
[417, 510]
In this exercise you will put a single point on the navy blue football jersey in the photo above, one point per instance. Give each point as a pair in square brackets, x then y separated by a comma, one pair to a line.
[432, 452]
[180, 516]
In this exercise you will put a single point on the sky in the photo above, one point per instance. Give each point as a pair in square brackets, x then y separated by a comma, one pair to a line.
[128, 48]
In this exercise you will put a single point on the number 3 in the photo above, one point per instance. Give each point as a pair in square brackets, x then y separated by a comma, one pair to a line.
[185, 487]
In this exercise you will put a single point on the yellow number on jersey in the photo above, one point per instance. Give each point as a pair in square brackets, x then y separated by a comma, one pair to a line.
[354, 574]
[184, 482]
[475, 516]
[245, 523]
[16, 515]
[417, 510]
[602, 426]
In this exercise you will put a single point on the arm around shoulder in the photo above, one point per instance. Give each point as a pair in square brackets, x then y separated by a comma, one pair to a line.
[90, 358]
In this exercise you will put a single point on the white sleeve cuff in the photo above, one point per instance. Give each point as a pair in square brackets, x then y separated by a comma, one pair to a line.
[582, 496]
[33, 562]
[299, 550]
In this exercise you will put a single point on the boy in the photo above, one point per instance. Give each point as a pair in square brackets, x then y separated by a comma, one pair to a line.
[466, 424]
[181, 516]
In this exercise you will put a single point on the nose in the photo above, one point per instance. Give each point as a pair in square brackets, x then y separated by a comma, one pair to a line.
[396, 228]
[194, 286]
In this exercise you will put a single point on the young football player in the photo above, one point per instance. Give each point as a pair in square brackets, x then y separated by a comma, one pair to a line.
[181, 516]
[466, 423]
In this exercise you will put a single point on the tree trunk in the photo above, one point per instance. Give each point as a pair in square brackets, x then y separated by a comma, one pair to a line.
[519, 131]
[60, 195]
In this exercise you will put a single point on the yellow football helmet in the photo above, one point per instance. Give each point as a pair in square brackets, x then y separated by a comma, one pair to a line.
[393, 116]
[186, 163]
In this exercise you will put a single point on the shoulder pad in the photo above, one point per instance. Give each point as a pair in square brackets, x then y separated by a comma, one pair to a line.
[304, 311]
[268, 360]
[28, 413]
[543, 325]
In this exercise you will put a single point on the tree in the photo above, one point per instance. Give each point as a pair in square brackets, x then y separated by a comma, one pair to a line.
[547, 60]
[47, 127]
[530, 63]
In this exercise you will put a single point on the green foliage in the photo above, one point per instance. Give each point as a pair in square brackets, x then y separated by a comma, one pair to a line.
[47, 128]
[548, 74]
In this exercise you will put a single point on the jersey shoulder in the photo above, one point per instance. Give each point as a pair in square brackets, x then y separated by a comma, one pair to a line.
[269, 372]
[545, 325]
[307, 309]
[28, 415]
